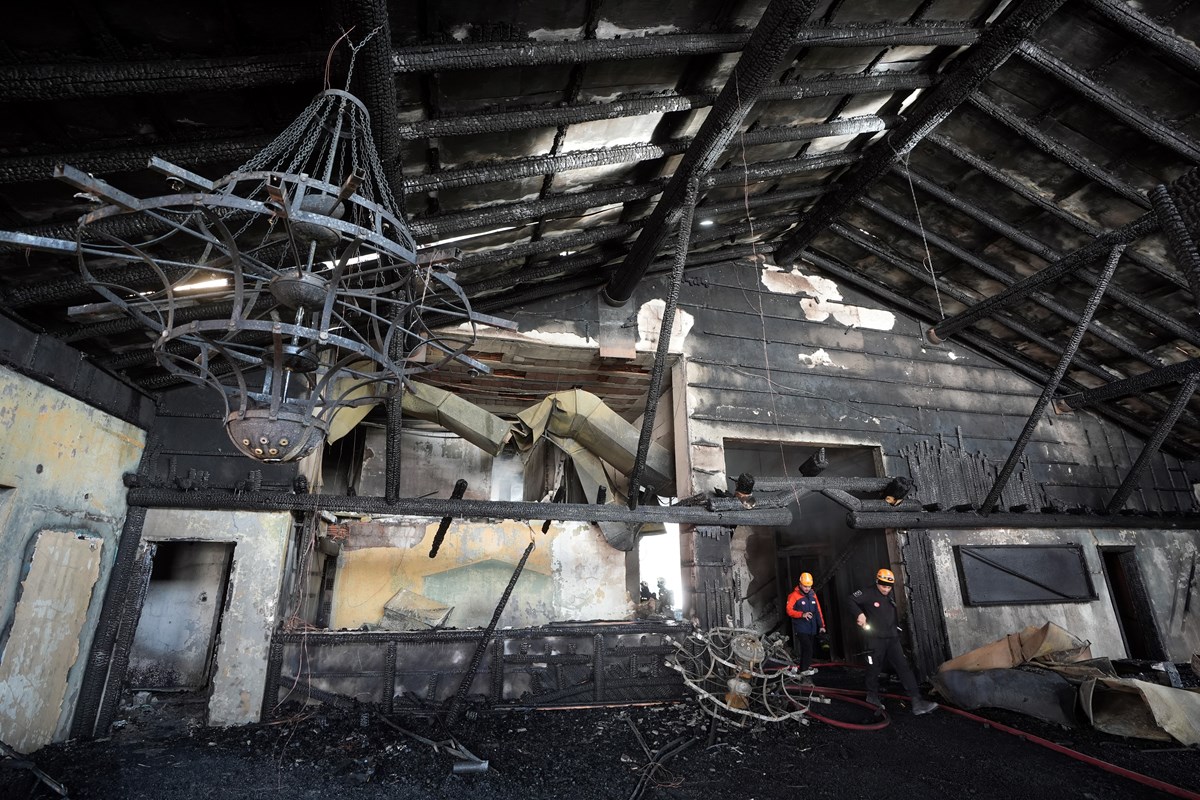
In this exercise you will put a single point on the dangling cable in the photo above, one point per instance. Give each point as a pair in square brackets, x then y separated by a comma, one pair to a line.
[928, 262]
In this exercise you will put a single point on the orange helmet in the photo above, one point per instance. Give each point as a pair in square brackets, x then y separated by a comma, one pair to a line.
[806, 579]
[885, 576]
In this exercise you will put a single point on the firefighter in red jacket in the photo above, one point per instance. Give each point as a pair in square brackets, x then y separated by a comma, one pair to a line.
[877, 618]
[807, 618]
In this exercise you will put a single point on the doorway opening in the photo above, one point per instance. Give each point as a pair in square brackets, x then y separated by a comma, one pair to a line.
[817, 541]
[172, 654]
[1131, 603]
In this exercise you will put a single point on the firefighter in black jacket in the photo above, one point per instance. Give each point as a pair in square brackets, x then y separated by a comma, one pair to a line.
[877, 617]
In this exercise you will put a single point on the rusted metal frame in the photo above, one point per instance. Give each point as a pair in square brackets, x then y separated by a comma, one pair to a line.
[468, 509]
[424, 58]
[1151, 448]
[21, 169]
[460, 697]
[1030, 287]
[1043, 251]
[1047, 205]
[1166, 41]
[970, 520]
[773, 37]
[375, 84]
[1097, 329]
[1134, 385]
[989, 346]
[682, 241]
[1056, 149]
[1175, 140]
[971, 71]
[1060, 371]
[71, 81]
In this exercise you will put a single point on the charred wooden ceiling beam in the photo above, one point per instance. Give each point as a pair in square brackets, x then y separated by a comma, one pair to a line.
[72, 81]
[128, 159]
[1183, 52]
[993, 49]
[1056, 149]
[1131, 301]
[658, 104]
[584, 159]
[997, 350]
[1134, 385]
[468, 509]
[773, 37]
[1175, 140]
[1078, 259]
[1049, 206]
[430, 58]
[375, 84]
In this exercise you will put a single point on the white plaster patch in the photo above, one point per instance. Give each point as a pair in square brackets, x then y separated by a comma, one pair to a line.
[952, 356]
[560, 338]
[850, 316]
[818, 358]
[607, 30]
[556, 34]
[650, 322]
[460, 33]
[796, 282]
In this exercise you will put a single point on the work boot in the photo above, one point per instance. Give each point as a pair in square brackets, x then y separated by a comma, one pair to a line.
[874, 700]
[922, 706]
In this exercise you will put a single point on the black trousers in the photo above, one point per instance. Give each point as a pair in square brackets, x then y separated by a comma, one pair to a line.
[887, 651]
[804, 648]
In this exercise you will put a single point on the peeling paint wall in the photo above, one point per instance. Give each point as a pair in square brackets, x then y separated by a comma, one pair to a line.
[260, 543]
[1164, 559]
[61, 463]
[572, 574]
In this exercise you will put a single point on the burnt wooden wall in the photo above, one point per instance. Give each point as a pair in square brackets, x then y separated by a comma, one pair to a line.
[890, 389]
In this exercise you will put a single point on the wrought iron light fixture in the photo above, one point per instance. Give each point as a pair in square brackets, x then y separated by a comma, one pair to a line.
[292, 285]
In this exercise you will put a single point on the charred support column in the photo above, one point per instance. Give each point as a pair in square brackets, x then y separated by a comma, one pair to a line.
[772, 38]
[1080, 259]
[460, 697]
[1151, 449]
[1060, 371]
[992, 50]
[131, 613]
[682, 241]
[376, 85]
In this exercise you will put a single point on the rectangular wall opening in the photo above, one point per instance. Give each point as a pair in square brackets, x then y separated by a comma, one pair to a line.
[1131, 604]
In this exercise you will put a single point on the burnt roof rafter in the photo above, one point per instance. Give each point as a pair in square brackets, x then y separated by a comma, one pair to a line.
[1174, 140]
[773, 37]
[996, 45]
[1182, 52]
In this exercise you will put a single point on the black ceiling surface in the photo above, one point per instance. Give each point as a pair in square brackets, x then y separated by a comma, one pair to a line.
[931, 153]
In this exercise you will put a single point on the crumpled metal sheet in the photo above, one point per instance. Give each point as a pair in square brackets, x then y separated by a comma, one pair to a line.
[1043, 695]
[1048, 644]
[1129, 707]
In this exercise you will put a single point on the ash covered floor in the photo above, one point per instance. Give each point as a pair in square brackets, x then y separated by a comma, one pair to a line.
[324, 752]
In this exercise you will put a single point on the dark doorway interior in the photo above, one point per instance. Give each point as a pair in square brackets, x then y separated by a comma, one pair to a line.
[818, 540]
[1132, 604]
[180, 620]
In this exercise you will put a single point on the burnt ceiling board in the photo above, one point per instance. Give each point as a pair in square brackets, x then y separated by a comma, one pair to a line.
[969, 162]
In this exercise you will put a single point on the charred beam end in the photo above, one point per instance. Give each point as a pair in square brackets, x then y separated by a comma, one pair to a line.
[1136, 384]
[1165, 40]
[992, 50]
[1079, 259]
[469, 509]
[972, 521]
[815, 464]
[772, 38]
